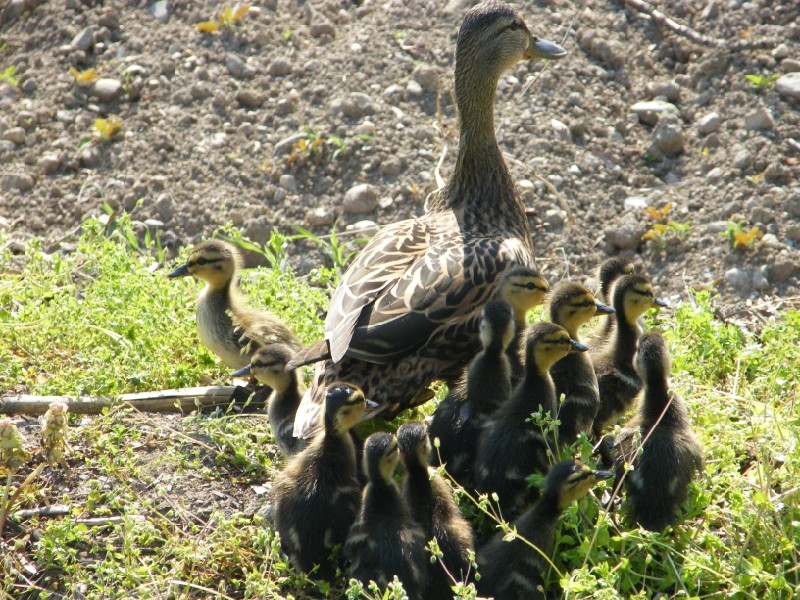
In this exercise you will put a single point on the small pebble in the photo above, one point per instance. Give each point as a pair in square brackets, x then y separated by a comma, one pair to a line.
[708, 123]
[759, 119]
[362, 198]
[15, 134]
[789, 85]
[648, 112]
[667, 135]
[105, 89]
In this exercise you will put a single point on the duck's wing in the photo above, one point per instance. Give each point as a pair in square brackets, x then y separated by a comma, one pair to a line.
[414, 277]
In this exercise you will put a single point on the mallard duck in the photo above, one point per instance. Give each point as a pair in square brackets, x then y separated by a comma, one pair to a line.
[511, 569]
[670, 454]
[316, 497]
[432, 506]
[571, 305]
[608, 272]
[408, 307]
[458, 419]
[385, 540]
[523, 288]
[613, 363]
[512, 446]
[227, 326]
[268, 366]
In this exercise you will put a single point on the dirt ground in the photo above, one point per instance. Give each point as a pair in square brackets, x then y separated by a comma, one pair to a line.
[269, 121]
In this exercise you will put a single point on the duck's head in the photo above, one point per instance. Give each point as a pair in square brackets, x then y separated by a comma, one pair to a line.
[523, 288]
[497, 325]
[633, 296]
[570, 480]
[214, 261]
[572, 305]
[414, 444]
[380, 456]
[493, 37]
[609, 271]
[268, 366]
[547, 343]
[344, 406]
[652, 361]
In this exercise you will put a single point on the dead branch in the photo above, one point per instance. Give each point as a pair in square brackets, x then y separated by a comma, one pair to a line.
[181, 400]
[663, 20]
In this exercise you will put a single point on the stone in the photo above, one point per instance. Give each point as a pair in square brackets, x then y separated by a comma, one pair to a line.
[365, 228]
[742, 159]
[360, 199]
[106, 90]
[715, 174]
[12, 11]
[426, 76]
[49, 163]
[320, 216]
[738, 278]
[357, 105]
[555, 217]
[413, 89]
[781, 51]
[759, 119]
[708, 123]
[669, 89]
[160, 10]
[165, 207]
[16, 181]
[667, 135]
[790, 65]
[789, 85]
[635, 203]
[235, 65]
[561, 130]
[783, 268]
[628, 235]
[649, 112]
[83, 40]
[288, 182]
[792, 232]
[321, 28]
[249, 98]
[89, 157]
[760, 281]
[15, 134]
[280, 66]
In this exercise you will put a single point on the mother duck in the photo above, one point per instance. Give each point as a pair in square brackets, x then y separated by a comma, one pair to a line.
[407, 310]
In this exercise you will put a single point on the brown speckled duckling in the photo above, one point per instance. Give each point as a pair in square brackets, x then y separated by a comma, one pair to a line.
[670, 454]
[512, 570]
[430, 500]
[385, 540]
[316, 496]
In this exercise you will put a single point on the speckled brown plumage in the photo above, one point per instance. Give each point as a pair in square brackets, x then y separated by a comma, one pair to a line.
[409, 305]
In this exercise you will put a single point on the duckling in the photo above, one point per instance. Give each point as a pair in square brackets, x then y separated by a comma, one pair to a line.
[572, 305]
[408, 307]
[316, 496]
[385, 540]
[268, 366]
[670, 453]
[512, 570]
[432, 506]
[458, 419]
[511, 446]
[227, 326]
[523, 288]
[613, 363]
[608, 272]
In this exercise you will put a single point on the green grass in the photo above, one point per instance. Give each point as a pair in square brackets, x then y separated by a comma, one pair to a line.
[105, 320]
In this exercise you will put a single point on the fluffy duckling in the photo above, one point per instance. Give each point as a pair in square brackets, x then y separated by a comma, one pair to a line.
[571, 305]
[268, 366]
[512, 570]
[613, 363]
[432, 506]
[385, 540]
[523, 288]
[511, 446]
[316, 496]
[608, 272]
[227, 326]
[458, 419]
[670, 453]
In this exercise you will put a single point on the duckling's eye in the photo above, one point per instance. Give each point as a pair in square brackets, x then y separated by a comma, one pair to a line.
[514, 25]
[587, 303]
[201, 261]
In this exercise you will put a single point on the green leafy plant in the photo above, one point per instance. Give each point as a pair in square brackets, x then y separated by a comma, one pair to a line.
[227, 19]
[761, 82]
[741, 238]
[8, 75]
[665, 231]
[337, 251]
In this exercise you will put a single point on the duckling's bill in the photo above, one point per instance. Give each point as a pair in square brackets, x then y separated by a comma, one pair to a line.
[243, 372]
[603, 309]
[181, 271]
[660, 302]
[577, 346]
[546, 49]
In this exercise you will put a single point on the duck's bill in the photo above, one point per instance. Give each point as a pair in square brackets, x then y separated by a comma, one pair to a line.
[181, 271]
[577, 346]
[661, 302]
[600, 475]
[371, 405]
[603, 309]
[243, 372]
[544, 49]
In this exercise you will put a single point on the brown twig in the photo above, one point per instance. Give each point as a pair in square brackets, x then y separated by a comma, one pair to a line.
[663, 20]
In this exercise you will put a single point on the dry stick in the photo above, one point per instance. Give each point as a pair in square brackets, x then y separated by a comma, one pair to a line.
[660, 18]
[7, 506]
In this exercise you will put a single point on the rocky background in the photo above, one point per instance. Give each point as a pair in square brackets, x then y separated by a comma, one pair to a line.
[682, 153]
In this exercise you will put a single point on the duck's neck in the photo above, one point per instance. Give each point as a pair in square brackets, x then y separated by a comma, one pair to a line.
[657, 397]
[626, 336]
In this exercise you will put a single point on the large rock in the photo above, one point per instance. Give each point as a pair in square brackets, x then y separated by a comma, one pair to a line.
[362, 198]
[789, 85]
